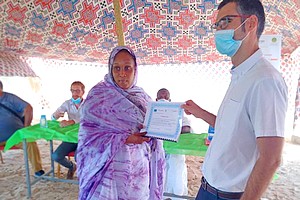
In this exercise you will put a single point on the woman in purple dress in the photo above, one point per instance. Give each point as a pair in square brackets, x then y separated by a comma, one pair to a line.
[115, 161]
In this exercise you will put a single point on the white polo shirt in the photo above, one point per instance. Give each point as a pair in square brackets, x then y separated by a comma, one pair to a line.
[254, 106]
[69, 107]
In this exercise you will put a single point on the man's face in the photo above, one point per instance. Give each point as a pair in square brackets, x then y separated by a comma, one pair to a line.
[76, 91]
[163, 94]
[230, 19]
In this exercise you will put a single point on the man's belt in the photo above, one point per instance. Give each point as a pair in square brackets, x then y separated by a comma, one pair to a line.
[224, 195]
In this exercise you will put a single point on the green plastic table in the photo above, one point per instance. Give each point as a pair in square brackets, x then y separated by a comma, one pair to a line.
[53, 132]
[35, 132]
[188, 144]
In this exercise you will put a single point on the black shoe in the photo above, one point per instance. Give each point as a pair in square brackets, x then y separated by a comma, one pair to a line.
[39, 173]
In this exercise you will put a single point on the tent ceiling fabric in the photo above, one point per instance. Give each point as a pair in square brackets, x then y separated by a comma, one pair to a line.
[161, 31]
[13, 65]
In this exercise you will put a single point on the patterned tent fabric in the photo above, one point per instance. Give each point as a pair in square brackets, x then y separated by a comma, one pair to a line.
[297, 106]
[12, 65]
[296, 58]
[160, 31]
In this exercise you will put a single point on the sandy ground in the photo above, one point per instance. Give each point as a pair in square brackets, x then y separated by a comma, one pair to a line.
[13, 185]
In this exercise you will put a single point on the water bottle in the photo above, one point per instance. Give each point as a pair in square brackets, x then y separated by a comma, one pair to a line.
[211, 132]
[43, 122]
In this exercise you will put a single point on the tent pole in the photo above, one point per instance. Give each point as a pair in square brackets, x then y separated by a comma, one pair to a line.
[119, 27]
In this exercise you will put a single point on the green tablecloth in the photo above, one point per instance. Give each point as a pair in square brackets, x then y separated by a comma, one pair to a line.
[53, 132]
[188, 144]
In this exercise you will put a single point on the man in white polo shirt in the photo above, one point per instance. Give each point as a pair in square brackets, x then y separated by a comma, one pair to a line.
[249, 127]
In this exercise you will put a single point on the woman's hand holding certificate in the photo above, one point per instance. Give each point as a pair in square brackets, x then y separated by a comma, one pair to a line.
[137, 138]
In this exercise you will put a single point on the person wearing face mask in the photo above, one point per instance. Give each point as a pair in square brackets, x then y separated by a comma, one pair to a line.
[71, 107]
[249, 126]
[115, 160]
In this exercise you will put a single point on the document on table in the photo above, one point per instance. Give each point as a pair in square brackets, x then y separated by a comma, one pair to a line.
[163, 120]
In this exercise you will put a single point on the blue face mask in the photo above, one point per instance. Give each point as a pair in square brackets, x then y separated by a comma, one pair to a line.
[225, 43]
[163, 100]
[76, 101]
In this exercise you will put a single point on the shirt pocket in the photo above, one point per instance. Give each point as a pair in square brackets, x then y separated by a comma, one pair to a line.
[230, 115]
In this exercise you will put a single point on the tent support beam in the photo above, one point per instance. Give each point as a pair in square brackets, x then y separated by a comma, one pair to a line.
[119, 27]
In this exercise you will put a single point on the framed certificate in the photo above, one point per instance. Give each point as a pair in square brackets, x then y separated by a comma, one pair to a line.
[163, 120]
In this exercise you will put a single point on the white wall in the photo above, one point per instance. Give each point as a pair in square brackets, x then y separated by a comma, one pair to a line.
[198, 82]
[204, 83]
[184, 83]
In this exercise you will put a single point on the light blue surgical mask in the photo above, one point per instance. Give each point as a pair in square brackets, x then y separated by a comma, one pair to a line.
[76, 101]
[163, 100]
[225, 43]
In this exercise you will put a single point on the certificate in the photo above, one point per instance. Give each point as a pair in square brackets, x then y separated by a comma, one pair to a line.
[163, 120]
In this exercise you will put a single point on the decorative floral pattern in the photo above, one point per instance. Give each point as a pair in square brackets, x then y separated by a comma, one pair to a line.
[170, 31]
[12, 65]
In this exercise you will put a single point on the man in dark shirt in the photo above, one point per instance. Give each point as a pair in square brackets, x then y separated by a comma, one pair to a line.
[13, 109]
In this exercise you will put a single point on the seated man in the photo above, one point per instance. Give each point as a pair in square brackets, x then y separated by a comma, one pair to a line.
[71, 107]
[176, 174]
[13, 109]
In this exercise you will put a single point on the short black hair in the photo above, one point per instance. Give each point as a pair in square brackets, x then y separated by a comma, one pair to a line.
[79, 83]
[162, 89]
[1, 85]
[249, 7]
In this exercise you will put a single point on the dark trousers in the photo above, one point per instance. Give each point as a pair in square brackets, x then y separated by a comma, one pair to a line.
[62, 151]
[205, 194]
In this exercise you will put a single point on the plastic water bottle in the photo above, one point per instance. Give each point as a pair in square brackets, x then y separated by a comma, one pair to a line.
[43, 122]
[211, 132]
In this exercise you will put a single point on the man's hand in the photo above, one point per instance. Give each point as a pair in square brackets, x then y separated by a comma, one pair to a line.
[191, 108]
[137, 138]
[65, 123]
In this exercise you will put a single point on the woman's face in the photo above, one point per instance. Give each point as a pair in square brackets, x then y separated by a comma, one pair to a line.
[123, 69]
